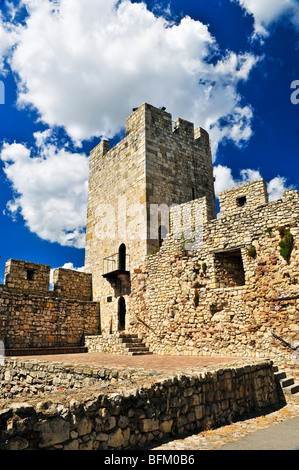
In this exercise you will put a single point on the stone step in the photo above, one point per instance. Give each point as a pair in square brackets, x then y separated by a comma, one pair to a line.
[138, 350]
[133, 344]
[292, 389]
[286, 382]
[280, 375]
[131, 341]
[128, 335]
[139, 353]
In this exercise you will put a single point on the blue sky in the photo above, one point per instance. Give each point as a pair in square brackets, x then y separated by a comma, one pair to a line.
[72, 72]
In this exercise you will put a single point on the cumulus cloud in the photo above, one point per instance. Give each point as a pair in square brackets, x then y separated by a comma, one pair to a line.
[8, 37]
[69, 265]
[85, 65]
[50, 191]
[267, 12]
[225, 180]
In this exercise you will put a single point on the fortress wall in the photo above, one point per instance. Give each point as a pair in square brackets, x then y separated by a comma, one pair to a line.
[31, 316]
[222, 298]
[156, 164]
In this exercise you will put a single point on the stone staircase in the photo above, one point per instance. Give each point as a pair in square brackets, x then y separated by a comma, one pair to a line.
[289, 388]
[133, 345]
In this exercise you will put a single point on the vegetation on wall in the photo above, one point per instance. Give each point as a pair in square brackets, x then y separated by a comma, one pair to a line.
[286, 243]
[251, 251]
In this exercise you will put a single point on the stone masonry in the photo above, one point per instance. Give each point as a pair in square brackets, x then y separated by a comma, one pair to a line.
[102, 409]
[227, 291]
[159, 163]
[32, 316]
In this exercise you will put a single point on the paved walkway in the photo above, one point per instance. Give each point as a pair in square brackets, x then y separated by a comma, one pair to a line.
[148, 362]
[278, 430]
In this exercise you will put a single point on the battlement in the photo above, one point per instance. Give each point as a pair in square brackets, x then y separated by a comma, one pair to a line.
[244, 197]
[24, 276]
[159, 121]
[72, 284]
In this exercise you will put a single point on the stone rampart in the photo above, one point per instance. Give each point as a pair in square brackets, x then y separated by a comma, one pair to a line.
[31, 320]
[133, 409]
[32, 316]
[229, 295]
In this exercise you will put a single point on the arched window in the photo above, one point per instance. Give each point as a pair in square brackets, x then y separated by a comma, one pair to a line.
[121, 314]
[122, 257]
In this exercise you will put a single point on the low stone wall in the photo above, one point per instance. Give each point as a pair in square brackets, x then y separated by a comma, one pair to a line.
[132, 409]
[106, 343]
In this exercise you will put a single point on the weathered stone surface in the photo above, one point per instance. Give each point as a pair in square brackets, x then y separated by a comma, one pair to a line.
[54, 431]
[119, 417]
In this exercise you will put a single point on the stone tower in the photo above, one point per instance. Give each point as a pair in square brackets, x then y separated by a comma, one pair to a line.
[131, 189]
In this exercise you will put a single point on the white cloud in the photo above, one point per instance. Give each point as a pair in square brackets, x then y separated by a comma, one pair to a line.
[85, 65]
[65, 266]
[276, 187]
[225, 180]
[50, 191]
[267, 12]
[8, 38]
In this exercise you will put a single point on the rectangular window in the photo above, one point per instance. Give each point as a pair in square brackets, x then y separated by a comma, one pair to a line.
[229, 270]
[241, 201]
[30, 275]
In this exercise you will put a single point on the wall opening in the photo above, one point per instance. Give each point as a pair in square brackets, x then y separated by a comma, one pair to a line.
[162, 234]
[241, 201]
[121, 314]
[122, 257]
[30, 274]
[229, 269]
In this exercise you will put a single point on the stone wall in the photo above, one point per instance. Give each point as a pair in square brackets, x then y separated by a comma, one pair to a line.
[23, 275]
[32, 316]
[44, 321]
[72, 284]
[129, 414]
[223, 298]
[155, 165]
[244, 197]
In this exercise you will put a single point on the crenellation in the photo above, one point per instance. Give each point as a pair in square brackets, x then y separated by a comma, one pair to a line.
[24, 275]
[243, 197]
[72, 284]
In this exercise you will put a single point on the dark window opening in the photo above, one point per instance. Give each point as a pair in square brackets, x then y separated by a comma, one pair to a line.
[122, 257]
[109, 299]
[241, 201]
[30, 274]
[229, 270]
[121, 314]
[162, 234]
[193, 194]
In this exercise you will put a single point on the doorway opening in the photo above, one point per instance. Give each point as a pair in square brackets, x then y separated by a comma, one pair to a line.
[122, 257]
[121, 314]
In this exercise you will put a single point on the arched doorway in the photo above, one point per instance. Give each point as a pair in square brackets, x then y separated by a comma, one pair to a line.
[122, 257]
[121, 314]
